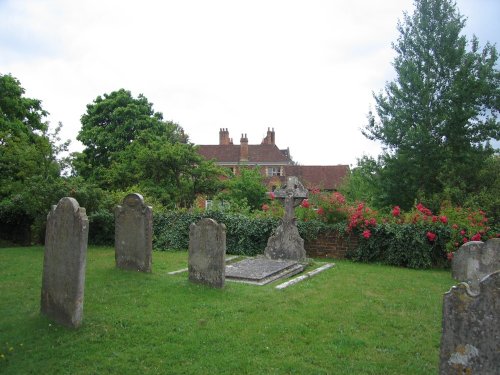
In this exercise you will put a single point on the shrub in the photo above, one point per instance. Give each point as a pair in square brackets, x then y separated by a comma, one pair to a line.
[244, 235]
[415, 239]
[406, 245]
[102, 228]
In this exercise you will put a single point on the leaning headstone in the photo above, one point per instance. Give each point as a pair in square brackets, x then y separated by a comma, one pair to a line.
[207, 249]
[470, 341]
[63, 278]
[134, 234]
[286, 243]
[474, 260]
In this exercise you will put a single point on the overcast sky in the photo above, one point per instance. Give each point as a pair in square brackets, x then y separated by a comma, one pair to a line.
[305, 68]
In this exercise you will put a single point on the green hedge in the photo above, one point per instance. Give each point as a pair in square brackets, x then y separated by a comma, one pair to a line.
[404, 245]
[244, 235]
[102, 228]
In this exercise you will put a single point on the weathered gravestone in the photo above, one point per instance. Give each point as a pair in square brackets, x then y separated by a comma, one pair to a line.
[63, 278]
[474, 260]
[286, 243]
[207, 249]
[134, 234]
[470, 341]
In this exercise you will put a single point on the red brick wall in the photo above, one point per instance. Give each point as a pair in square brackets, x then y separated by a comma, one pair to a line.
[330, 245]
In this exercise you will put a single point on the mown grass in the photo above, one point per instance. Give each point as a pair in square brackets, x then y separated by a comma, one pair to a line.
[352, 319]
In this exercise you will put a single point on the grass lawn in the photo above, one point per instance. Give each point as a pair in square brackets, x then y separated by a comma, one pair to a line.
[351, 319]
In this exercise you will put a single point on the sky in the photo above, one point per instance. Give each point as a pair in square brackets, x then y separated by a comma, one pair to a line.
[305, 68]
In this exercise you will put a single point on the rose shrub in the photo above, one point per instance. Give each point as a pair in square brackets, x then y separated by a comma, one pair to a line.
[418, 238]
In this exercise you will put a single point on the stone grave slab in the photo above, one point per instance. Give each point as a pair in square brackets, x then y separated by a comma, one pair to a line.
[261, 271]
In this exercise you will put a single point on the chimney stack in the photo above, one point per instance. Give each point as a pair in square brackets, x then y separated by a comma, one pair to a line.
[243, 148]
[269, 139]
[224, 137]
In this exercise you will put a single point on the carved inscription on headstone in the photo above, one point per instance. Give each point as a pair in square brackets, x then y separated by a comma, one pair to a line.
[134, 234]
[470, 341]
[474, 260]
[207, 249]
[63, 278]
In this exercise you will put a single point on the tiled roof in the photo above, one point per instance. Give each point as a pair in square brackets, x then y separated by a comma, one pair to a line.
[324, 177]
[256, 153]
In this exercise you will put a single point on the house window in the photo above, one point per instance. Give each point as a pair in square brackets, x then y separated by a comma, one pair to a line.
[274, 171]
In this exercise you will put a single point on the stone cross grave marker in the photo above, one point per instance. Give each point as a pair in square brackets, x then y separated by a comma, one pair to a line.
[134, 234]
[207, 250]
[63, 278]
[474, 260]
[470, 340]
[286, 243]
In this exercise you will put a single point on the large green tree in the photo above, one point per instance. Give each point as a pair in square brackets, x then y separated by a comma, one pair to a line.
[29, 169]
[245, 190]
[436, 117]
[128, 144]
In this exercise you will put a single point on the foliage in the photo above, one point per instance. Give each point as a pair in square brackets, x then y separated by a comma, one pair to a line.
[467, 225]
[274, 208]
[244, 235]
[363, 182]
[436, 117]
[416, 238]
[29, 166]
[487, 197]
[112, 123]
[245, 189]
[128, 144]
[406, 245]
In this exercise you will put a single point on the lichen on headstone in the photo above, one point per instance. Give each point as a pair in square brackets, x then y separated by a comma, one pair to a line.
[474, 260]
[207, 250]
[134, 234]
[470, 341]
[286, 243]
[63, 278]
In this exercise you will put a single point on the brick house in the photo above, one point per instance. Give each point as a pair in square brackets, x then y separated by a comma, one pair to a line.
[275, 163]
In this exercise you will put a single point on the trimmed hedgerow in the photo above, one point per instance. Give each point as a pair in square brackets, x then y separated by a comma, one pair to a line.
[244, 235]
[102, 228]
[408, 245]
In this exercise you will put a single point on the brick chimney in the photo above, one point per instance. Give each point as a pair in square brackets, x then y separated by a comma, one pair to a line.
[244, 148]
[270, 137]
[224, 137]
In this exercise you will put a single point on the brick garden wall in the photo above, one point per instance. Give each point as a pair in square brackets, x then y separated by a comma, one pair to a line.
[330, 245]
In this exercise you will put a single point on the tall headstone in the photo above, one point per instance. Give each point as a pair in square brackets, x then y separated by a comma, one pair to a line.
[474, 260]
[134, 234]
[63, 278]
[286, 243]
[470, 341]
[207, 250]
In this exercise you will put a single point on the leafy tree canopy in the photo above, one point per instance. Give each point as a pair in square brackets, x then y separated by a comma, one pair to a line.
[245, 190]
[436, 118]
[129, 144]
[29, 170]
